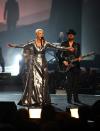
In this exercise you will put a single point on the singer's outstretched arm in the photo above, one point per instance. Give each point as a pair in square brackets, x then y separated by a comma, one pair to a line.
[15, 46]
[21, 45]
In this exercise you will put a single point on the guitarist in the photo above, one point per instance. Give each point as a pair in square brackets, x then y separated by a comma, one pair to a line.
[72, 81]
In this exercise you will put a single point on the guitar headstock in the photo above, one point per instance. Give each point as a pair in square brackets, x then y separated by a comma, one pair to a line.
[92, 53]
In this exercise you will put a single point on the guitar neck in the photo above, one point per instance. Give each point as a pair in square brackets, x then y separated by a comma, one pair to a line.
[74, 60]
[84, 56]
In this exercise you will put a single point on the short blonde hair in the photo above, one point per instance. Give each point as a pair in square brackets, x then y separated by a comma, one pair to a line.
[37, 30]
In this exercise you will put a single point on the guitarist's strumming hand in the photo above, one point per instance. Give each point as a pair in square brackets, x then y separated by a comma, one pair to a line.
[65, 63]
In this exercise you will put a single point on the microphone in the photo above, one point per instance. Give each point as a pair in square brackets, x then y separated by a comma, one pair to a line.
[42, 38]
[42, 41]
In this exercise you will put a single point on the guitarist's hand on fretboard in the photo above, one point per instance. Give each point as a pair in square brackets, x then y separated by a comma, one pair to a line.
[80, 58]
[76, 59]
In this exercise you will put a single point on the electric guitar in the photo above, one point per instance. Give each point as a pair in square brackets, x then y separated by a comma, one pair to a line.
[70, 65]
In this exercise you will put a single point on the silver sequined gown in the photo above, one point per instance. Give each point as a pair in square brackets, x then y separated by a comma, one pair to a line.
[36, 88]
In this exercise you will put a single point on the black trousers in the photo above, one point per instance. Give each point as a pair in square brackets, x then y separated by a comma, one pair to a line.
[72, 85]
[3, 67]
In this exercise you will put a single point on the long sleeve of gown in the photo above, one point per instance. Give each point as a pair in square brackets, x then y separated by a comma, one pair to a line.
[15, 46]
[21, 45]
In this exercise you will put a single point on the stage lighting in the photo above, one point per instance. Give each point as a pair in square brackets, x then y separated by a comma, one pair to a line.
[15, 66]
[18, 57]
[35, 113]
[74, 112]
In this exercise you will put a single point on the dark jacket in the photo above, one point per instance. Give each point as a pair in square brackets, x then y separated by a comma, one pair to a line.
[68, 55]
